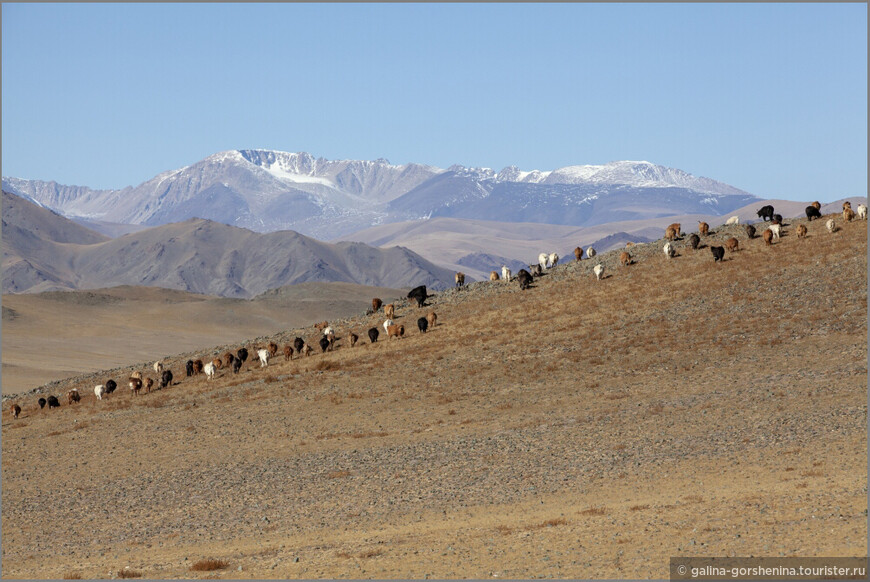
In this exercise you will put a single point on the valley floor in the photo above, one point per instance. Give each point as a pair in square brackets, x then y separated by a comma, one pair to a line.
[579, 429]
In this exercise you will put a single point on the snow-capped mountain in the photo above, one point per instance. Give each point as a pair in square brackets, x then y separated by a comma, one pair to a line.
[265, 190]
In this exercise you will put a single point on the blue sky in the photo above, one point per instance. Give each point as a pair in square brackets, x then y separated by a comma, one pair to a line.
[770, 98]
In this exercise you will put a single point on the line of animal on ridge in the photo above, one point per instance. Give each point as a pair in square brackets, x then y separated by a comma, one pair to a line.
[138, 383]
[673, 233]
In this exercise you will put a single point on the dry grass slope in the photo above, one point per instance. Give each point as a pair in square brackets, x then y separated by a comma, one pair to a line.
[580, 429]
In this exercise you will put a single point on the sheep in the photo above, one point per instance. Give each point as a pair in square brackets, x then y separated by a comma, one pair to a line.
[298, 343]
[598, 270]
[110, 386]
[288, 353]
[677, 227]
[41, 402]
[16, 410]
[218, 363]
[307, 350]
[732, 244]
[831, 225]
[776, 229]
[373, 334]
[228, 359]
[166, 379]
[189, 368]
[321, 325]
[765, 212]
[542, 260]
[590, 252]
[732, 221]
[625, 259]
[197, 367]
[387, 323]
[525, 279]
[52, 402]
[149, 383]
[816, 205]
[670, 233]
[750, 231]
[862, 212]
[578, 253]
[210, 370]
[419, 293]
[396, 330]
[669, 250]
[848, 215]
[73, 396]
[460, 279]
[136, 374]
[237, 365]
[801, 231]
[768, 237]
[812, 212]
[431, 317]
[158, 368]
[694, 241]
[505, 273]
[242, 354]
[389, 311]
[353, 339]
[493, 276]
[703, 228]
[422, 324]
[135, 385]
[273, 349]
[553, 259]
[264, 356]
[376, 304]
[718, 253]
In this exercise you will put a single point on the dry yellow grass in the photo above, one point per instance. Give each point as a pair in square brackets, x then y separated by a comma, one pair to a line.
[606, 425]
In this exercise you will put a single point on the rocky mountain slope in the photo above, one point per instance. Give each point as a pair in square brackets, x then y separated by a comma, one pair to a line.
[197, 255]
[265, 190]
[581, 429]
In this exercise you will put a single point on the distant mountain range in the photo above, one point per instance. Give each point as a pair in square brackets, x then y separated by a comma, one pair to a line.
[266, 191]
[43, 251]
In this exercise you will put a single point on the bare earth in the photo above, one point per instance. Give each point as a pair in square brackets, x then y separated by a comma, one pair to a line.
[579, 429]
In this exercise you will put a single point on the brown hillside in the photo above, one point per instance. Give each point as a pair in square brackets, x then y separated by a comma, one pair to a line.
[579, 429]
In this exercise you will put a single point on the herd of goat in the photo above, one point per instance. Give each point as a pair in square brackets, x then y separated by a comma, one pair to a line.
[525, 277]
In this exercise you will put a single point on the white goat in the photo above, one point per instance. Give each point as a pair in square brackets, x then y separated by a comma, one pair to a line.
[505, 273]
[669, 250]
[862, 212]
[732, 220]
[99, 391]
[264, 357]
[542, 260]
[209, 369]
[590, 252]
[387, 324]
[553, 259]
[598, 270]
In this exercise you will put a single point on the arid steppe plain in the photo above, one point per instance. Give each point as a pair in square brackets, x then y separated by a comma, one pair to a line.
[579, 429]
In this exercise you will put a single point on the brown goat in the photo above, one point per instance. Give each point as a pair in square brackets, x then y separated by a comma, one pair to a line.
[848, 214]
[670, 233]
[846, 205]
[676, 226]
[389, 310]
[73, 396]
[432, 317]
[578, 253]
[135, 385]
[460, 279]
[273, 349]
[768, 237]
[376, 304]
[288, 353]
[625, 259]
[353, 339]
[321, 325]
[228, 359]
[629, 244]
[16, 410]
[703, 228]
[395, 330]
[197, 367]
[217, 363]
[136, 374]
[801, 231]
[149, 383]
[493, 276]
[732, 244]
[816, 205]
[306, 350]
